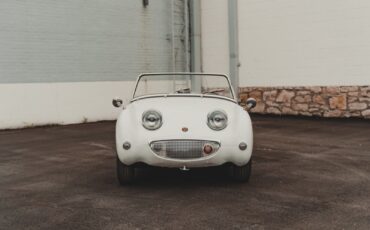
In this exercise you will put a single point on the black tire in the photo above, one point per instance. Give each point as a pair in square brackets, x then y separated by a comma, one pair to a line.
[125, 173]
[241, 173]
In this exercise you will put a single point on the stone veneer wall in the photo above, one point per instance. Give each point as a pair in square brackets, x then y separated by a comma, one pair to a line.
[338, 101]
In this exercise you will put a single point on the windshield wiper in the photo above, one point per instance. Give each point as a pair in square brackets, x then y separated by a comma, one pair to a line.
[214, 91]
[186, 90]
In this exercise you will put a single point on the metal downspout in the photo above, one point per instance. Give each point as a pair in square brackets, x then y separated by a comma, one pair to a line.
[233, 45]
[186, 35]
[195, 42]
[173, 37]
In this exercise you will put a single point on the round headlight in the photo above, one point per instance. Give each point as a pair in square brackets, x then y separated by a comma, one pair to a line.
[152, 120]
[217, 120]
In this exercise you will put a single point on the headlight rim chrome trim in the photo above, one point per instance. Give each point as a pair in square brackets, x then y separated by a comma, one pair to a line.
[145, 114]
[209, 117]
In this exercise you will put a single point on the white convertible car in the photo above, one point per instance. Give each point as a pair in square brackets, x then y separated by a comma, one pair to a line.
[183, 120]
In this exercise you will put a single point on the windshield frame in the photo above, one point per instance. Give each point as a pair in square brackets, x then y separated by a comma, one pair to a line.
[183, 95]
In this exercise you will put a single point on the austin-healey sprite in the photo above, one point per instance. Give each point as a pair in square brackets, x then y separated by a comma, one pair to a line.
[184, 120]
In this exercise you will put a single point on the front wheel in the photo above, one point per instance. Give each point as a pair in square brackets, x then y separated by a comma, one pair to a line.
[125, 173]
[242, 173]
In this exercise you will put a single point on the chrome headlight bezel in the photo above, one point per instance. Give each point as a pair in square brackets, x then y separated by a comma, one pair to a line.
[152, 120]
[217, 120]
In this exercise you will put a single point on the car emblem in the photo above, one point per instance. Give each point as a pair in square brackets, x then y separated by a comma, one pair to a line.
[185, 129]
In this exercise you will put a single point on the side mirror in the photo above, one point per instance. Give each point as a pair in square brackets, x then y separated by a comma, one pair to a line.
[251, 103]
[117, 102]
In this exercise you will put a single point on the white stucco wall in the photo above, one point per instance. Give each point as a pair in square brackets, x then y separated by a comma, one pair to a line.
[62, 62]
[292, 43]
[34, 104]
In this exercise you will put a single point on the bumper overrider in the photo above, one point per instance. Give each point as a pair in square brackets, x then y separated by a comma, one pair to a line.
[190, 153]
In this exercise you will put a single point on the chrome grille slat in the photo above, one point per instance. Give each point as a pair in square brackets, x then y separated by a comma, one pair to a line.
[182, 149]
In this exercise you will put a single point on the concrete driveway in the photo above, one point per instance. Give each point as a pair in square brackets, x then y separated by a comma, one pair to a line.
[307, 174]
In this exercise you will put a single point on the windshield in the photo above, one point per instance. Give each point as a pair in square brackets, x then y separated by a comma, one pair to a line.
[182, 84]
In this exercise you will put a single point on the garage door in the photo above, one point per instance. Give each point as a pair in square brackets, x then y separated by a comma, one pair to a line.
[79, 40]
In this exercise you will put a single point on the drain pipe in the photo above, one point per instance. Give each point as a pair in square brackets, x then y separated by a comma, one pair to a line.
[195, 36]
[195, 42]
[187, 36]
[233, 45]
[173, 36]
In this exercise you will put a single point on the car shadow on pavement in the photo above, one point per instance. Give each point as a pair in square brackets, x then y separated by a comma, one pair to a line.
[217, 176]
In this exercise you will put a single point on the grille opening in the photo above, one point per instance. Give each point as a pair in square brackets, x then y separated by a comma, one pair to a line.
[183, 149]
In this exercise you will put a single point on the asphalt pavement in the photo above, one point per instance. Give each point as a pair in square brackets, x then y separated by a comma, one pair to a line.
[307, 174]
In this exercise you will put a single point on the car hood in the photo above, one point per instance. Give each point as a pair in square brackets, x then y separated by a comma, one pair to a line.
[180, 112]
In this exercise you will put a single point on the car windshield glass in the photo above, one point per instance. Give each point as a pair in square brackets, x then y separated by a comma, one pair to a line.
[182, 84]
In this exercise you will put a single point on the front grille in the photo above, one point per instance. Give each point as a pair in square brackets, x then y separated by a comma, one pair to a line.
[182, 149]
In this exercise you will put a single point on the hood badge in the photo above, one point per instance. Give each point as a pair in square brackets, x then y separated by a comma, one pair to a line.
[185, 129]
